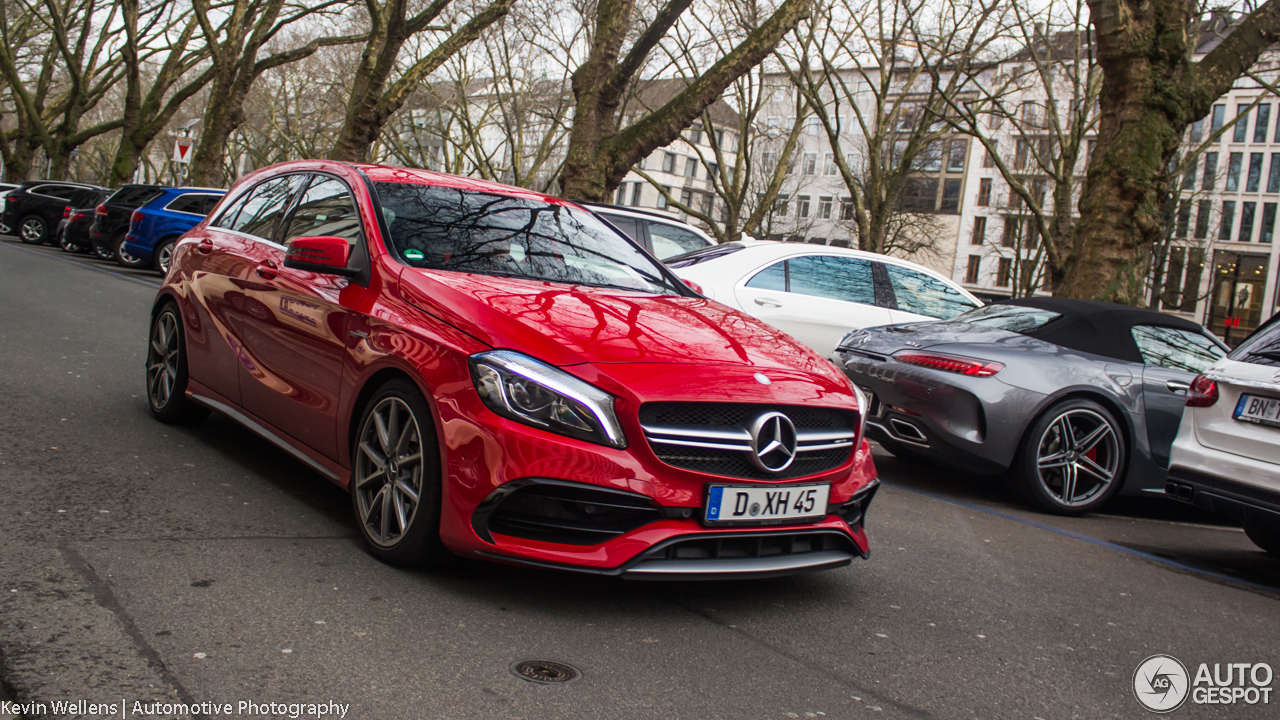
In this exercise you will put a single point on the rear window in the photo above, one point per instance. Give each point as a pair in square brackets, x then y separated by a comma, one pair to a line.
[1014, 318]
[1262, 347]
[707, 253]
[474, 232]
[135, 196]
[926, 295]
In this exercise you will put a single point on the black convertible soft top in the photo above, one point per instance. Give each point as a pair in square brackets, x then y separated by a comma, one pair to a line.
[1100, 328]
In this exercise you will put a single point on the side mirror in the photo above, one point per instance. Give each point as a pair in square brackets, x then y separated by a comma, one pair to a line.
[325, 255]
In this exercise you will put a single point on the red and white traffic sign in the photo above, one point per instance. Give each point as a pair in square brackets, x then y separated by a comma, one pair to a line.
[182, 150]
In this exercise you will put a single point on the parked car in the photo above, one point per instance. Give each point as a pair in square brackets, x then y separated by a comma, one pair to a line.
[497, 373]
[1074, 399]
[155, 227]
[817, 293]
[1226, 457]
[662, 235]
[4, 190]
[33, 209]
[111, 218]
[72, 234]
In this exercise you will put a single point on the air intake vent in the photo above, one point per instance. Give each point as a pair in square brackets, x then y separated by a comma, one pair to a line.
[562, 512]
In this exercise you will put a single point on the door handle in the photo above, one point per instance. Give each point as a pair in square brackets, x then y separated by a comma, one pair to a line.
[768, 302]
[1177, 386]
[205, 247]
[267, 270]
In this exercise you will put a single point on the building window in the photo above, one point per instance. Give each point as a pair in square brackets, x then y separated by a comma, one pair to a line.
[810, 163]
[1228, 219]
[621, 197]
[802, 206]
[988, 158]
[1003, 271]
[1210, 169]
[695, 136]
[1203, 208]
[919, 195]
[813, 126]
[686, 198]
[1233, 171]
[984, 192]
[662, 197]
[635, 194]
[1011, 228]
[1242, 123]
[846, 208]
[1219, 117]
[1189, 178]
[1184, 219]
[975, 267]
[829, 166]
[955, 157]
[1273, 179]
[979, 231]
[950, 196]
[691, 168]
[1254, 179]
[780, 207]
[713, 171]
[1246, 221]
[1268, 223]
[824, 207]
[1260, 126]
[669, 163]
[1197, 130]
[770, 159]
[853, 162]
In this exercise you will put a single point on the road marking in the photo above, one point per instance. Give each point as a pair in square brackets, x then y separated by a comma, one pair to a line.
[1103, 543]
[80, 264]
[1200, 526]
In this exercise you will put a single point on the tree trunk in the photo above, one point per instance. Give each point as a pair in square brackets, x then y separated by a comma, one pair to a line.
[222, 115]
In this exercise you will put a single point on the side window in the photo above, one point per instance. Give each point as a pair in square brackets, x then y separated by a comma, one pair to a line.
[58, 191]
[773, 277]
[1175, 349]
[209, 203]
[626, 225]
[669, 240]
[189, 203]
[326, 209]
[836, 278]
[926, 295]
[263, 206]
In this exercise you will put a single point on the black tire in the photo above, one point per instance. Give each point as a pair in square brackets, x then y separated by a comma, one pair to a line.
[380, 466]
[167, 370]
[1040, 478]
[124, 258]
[33, 230]
[68, 247]
[164, 255]
[103, 252]
[1264, 537]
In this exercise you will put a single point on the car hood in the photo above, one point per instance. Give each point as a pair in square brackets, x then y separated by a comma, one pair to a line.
[573, 324]
[888, 339]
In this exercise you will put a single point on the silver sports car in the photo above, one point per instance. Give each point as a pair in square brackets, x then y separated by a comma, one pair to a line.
[1075, 399]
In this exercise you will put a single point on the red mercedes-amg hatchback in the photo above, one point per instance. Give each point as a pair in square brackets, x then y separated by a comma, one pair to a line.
[497, 373]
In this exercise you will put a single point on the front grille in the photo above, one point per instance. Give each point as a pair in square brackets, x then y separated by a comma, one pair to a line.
[566, 513]
[714, 438]
[727, 547]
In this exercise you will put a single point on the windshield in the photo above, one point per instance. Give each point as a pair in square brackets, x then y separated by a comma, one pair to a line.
[466, 231]
[1014, 318]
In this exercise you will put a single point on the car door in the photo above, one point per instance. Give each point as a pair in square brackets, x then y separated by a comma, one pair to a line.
[216, 268]
[815, 298]
[298, 342]
[1171, 359]
[919, 297]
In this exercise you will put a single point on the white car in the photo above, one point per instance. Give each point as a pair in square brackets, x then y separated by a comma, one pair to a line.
[662, 235]
[1226, 457]
[818, 293]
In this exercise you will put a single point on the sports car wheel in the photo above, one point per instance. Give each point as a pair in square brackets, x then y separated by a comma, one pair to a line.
[1264, 538]
[1072, 458]
[124, 258]
[395, 478]
[33, 230]
[167, 370]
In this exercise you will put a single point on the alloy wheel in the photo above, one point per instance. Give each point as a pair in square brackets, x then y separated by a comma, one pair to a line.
[162, 360]
[388, 471]
[1078, 457]
[32, 230]
[164, 257]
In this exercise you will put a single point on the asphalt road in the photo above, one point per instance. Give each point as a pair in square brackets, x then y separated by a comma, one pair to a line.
[144, 563]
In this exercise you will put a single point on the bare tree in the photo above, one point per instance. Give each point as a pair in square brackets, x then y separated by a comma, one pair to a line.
[601, 150]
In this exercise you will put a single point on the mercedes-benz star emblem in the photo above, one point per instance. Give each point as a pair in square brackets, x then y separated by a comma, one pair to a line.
[773, 442]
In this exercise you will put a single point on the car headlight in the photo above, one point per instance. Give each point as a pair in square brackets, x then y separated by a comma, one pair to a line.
[864, 408]
[520, 388]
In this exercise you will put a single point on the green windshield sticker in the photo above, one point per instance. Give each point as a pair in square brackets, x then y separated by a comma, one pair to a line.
[414, 254]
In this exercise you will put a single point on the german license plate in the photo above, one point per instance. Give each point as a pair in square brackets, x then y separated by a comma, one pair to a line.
[1258, 410]
[874, 406]
[757, 505]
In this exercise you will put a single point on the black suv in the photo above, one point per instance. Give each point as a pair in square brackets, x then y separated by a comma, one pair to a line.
[111, 219]
[34, 209]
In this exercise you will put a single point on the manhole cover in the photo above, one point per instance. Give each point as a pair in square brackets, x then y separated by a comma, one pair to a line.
[545, 671]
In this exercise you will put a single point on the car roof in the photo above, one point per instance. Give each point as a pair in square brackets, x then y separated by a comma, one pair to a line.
[418, 176]
[32, 183]
[1101, 328]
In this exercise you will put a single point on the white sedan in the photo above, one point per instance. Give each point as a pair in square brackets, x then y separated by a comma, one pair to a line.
[818, 293]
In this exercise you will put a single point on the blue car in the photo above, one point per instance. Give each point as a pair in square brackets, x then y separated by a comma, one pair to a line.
[156, 226]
